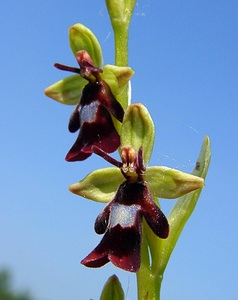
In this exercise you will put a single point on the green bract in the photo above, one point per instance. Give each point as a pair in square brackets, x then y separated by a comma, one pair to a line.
[184, 206]
[112, 289]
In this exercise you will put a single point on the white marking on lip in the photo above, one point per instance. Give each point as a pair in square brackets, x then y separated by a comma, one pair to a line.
[88, 112]
[123, 215]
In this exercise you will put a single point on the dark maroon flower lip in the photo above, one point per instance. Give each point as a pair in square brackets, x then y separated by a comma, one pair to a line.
[119, 245]
[121, 222]
[100, 133]
[92, 116]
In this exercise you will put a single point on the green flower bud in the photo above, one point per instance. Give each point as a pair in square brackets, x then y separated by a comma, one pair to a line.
[170, 183]
[120, 10]
[138, 129]
[81, 38]
[68, 90]
[112, 289]
[100, 185]
[116, 9]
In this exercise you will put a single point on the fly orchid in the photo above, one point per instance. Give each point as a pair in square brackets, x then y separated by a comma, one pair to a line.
[92, 114]
[94, 90]
[121, 219]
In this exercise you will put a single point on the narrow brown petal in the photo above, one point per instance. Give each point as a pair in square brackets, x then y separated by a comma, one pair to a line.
[154, 216]
[74, 121]
[101, 222]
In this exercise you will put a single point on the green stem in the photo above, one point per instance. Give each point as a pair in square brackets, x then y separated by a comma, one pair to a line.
[121, 54]
[121, 33]
[120, 12]
[148, 283]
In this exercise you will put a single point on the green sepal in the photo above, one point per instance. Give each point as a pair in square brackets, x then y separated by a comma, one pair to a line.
[117, 77]
[138, 130]
[100, 185]
[68, 90]
[82, 38]
[112, 289]
[170, 183]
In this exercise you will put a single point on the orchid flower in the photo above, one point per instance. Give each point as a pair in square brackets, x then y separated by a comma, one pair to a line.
[121, 219]
[92, 114]
[93, 90]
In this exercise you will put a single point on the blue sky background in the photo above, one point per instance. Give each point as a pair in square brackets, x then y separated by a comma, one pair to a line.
[185, 57]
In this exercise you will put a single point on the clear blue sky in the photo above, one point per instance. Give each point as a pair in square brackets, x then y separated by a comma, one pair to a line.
[185, 54]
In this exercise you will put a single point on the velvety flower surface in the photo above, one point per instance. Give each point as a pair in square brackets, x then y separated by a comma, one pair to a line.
[121, 219]
[121, 222]
[92, 115]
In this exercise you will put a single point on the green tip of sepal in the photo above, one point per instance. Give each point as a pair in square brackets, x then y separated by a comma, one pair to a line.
[204, 159]
[100, 185]
[112, 289]
[68, 90]
[82, 38]
[117, 77]
[171, 183]
[138, 130]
